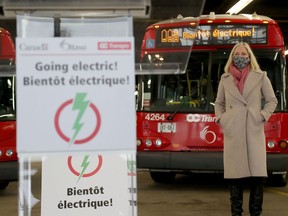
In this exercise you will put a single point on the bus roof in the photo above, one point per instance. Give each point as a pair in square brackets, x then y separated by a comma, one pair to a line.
[213, 31]
[245, 17]
[212, 17]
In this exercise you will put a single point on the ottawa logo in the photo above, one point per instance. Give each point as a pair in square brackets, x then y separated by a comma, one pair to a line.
[77, 121]
[207, 135]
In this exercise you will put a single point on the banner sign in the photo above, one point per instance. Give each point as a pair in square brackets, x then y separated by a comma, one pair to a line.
[75, 94]
[213, 34]
[89, 185]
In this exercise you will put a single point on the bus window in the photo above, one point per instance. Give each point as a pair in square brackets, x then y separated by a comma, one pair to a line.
[194, 90]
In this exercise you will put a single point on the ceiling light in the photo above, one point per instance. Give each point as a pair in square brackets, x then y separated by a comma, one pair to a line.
[235, 9]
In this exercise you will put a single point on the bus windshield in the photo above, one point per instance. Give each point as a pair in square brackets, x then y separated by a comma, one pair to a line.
[195, 90]
[7, 93]
[7, 100]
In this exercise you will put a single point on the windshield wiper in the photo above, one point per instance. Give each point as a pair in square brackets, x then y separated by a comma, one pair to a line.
[171, 115]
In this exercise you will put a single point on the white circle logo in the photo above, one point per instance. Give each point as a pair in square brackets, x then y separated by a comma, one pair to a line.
[193, 118]
[103, 45]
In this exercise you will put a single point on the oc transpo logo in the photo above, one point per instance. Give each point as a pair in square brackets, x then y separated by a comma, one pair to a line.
[89, 166]
[193, 118]
[77, 121]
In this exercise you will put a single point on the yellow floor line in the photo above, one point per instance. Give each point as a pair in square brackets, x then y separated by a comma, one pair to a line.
[277, 192]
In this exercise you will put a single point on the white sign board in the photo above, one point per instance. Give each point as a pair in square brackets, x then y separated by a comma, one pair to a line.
[75, 94]
[89, 185]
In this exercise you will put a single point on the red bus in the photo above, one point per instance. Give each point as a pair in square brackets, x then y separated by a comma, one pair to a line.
[8, 155]
[176, 128]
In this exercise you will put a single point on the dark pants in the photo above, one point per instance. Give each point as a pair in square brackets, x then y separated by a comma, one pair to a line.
[255, 199]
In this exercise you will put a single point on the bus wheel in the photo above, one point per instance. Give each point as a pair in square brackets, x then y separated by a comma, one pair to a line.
[3, 184]
[163, 177]
[277, 180]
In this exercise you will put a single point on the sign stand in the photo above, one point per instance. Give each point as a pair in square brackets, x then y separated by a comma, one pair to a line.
[76, 78]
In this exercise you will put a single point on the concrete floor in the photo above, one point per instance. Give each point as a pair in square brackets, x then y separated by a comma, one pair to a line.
[195, 195]
[200, 195]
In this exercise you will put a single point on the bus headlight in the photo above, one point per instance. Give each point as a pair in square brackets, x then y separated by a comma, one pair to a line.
[271, 144]
[283, 144]
[0, 153]
[138, 142]
[158, 142]
[148, 142]
[9, 152]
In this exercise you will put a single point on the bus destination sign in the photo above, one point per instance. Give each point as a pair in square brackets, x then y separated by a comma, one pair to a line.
[211, 35]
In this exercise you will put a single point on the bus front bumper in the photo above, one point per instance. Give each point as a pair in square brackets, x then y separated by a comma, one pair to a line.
[199, 161]
[9, 171]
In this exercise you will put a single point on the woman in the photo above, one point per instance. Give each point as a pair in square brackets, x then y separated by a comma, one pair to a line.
[240, 114]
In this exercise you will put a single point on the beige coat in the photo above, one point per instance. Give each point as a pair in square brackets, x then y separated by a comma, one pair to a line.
[241, 118]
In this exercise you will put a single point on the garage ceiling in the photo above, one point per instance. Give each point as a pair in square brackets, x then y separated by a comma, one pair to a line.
[149, 11]
[157, 9]
[276, 9]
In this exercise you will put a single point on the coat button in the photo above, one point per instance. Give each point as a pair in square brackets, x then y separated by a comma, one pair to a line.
[245, 105]
[230, 107]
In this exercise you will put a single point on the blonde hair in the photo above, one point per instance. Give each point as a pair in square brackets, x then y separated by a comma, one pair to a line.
[253, 61]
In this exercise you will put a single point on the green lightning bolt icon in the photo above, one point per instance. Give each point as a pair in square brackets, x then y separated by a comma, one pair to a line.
[81, 105]
[84, 164]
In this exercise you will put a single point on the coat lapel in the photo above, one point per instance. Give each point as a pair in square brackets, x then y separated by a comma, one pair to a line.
[230, 87]
[252, 79]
